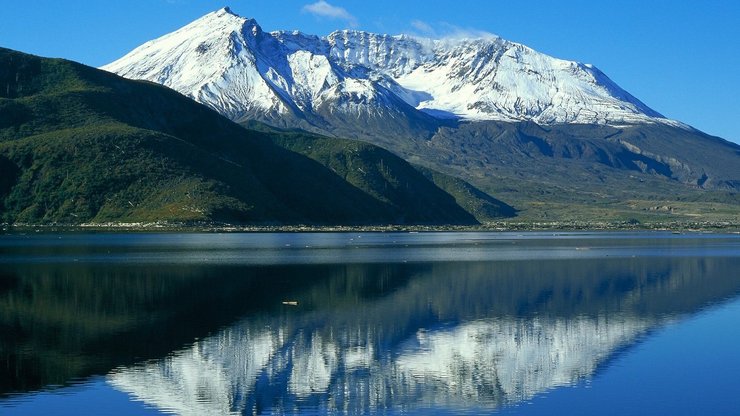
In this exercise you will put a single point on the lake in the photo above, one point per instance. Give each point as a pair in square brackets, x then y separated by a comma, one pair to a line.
[368, 323]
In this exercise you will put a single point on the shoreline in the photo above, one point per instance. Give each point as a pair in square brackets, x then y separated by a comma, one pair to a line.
[731, 227]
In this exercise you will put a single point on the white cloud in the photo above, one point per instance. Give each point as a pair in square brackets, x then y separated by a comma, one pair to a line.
[422, 27]
[447, 31]
[450, 31]
[322, 8]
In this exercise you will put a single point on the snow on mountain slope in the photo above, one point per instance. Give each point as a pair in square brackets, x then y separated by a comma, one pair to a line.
[228, 63]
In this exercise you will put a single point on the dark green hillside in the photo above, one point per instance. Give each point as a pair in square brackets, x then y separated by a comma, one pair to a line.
[81, 145]
[392, 180]
[475, 201]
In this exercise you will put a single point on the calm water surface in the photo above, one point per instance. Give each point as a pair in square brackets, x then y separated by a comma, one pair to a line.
[367, 323]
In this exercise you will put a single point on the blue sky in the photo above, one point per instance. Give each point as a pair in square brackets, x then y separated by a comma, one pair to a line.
[681, 58]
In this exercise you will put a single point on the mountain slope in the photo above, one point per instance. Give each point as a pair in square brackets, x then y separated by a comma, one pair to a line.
[78, 144]
[576, 172]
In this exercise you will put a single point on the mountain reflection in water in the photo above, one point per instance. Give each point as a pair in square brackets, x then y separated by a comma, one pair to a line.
[363, 338]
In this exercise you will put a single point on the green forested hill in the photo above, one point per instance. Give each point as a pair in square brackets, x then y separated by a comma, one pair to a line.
[82, 145]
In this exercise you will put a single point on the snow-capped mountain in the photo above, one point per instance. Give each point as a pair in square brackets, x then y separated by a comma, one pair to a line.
[230, 64]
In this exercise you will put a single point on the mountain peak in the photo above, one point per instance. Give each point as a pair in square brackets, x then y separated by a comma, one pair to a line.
[226, 16]
[226, 10]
